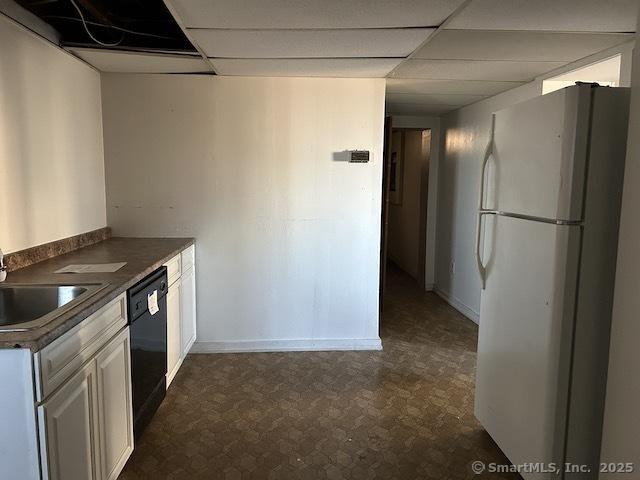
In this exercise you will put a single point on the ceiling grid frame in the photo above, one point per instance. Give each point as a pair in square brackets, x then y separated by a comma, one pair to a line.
[176, 17]
[434, 54]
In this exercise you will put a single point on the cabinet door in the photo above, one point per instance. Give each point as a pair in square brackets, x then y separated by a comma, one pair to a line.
[174, 339]
[188, 298]
[70, 425]
[115, 409]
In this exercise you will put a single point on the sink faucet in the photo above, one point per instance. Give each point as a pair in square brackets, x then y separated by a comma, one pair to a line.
[3, 268]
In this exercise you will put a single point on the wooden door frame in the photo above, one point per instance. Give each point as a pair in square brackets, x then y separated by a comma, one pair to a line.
[384, 224]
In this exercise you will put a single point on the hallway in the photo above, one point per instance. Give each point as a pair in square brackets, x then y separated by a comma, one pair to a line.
[403, 413]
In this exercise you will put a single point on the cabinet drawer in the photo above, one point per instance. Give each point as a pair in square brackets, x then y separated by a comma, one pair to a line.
[61, 359]
[188, 258]
[174, 269]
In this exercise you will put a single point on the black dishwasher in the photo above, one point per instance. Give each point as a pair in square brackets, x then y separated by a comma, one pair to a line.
[147, 308]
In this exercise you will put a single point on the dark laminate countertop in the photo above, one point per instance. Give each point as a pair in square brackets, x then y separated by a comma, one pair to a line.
[143, 256]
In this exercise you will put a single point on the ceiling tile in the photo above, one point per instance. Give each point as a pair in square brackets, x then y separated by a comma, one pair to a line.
[461, 87]
[133, 62]
[380, 42]
[474, 70]
[550, 15]
[306, 67]
[432, 99]
[314, 13]
[409, 109]
[508, 45]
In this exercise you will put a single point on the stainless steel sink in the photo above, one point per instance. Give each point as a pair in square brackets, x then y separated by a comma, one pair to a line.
[26, 307]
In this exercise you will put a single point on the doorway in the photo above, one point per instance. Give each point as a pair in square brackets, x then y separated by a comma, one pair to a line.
[405, 200]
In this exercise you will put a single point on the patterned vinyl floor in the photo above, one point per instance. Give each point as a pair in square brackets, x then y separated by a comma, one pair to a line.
[403, 413]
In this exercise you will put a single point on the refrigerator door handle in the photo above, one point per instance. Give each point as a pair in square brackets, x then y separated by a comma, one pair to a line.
[481, 211]
[479, 233]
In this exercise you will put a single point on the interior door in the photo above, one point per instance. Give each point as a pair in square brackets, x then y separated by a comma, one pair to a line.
[539, 155]
[522, 364]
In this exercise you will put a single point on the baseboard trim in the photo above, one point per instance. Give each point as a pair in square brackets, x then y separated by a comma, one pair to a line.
[429, 287]
[459, 306]
[287, 345]
[190, 346]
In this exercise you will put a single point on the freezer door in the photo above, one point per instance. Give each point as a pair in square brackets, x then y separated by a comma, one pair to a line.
[525, 337]
[539, 156]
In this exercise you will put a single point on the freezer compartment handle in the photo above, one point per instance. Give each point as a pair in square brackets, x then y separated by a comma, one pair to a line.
[481, 267]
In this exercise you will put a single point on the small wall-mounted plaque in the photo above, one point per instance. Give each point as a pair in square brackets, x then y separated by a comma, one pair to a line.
[358, 156]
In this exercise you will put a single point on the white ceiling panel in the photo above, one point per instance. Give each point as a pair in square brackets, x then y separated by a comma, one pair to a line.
[133, 62]
[408, 109]
[549, 15]
[431, 99]
[460, 87]
[474, 70]
[314, 13]
[306, 67]
[380, 42]
[509, 45]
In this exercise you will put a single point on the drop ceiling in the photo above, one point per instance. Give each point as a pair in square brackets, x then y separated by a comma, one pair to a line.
[436, 55]
[313, 14]
[549, 15]
[137, 62]
[331, 43]
[515, 71]
[305, 67]
[516, 45]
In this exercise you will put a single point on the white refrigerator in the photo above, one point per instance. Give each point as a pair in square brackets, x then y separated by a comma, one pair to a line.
[548, 220]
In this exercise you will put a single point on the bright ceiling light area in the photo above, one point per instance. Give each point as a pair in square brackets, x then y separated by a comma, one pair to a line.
[605, 72]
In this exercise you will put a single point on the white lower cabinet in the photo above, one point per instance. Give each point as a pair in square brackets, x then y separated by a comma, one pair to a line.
[70, 421]
[86, 427]
[115, 422]
[174, 336]
[81, 424]
[181, 310]
[188, 310]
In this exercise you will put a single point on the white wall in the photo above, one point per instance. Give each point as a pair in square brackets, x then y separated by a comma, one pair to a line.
[287, 233]
[465, 133]
[432, 123]
[621, 437]
[51, 156]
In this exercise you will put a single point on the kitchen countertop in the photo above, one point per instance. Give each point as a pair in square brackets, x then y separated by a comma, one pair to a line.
[143, 256]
